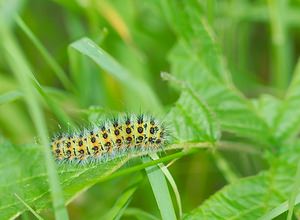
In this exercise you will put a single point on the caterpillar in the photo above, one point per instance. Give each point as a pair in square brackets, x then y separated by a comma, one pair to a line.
[110, 138]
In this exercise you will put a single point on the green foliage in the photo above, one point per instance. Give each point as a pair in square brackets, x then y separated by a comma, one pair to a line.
[117, 68]
[197, 55]
[160, 191]
[132, 85]
[252, 197]
[26, 176]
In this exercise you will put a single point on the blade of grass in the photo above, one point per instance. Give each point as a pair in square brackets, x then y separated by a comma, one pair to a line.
[139, 214]
[160, 190]
[28, 207]
[63, 118]
[283, 207]
[10, 97]
[137, 86]
[23, 74]
[172, 182]
[190, 148]
[294, 193]
[225, 168]
[123, 201]
[61, 115]
[60, 73]
[281, 69]
[148, 164]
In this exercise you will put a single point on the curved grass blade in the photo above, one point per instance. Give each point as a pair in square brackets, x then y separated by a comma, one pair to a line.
[139, 214]
[60, 73]
[23, 74]
[283, 207]
[132, 84]
[121, 204]
[294, 193]
[172, 182]
[160, 190]
[10, 97]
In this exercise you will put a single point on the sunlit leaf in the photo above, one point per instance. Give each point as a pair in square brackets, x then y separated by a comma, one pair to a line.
[196, 59]
[251, 197]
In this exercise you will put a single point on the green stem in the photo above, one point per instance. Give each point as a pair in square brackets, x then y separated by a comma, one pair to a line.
[23, 74]
[281, 69]
[60, 73]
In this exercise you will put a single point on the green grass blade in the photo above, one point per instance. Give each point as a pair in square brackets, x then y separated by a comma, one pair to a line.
[281, 69]
[150, 163]
[21, 69]
[10, 97]
[61, 115]
[29, 208]
[134, 85]
[283, 207]
[225, 168]
[160, 190]
[119, 207]
[294, 193]
[60, 73]
[139, 214]
[172, 182]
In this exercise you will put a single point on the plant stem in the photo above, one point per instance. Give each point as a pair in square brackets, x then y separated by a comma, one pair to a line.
[280, 51]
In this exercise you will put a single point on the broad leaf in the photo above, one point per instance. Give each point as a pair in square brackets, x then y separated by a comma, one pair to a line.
[196, 59]
[288, 120]
[252, 197]
[267, 107]
[192, 120]
[23, 173]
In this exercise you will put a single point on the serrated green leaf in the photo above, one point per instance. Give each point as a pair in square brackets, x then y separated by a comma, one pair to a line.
[29, 208]
[23, 174]
[267, 107]
[195, 37]
[283, 207]
[251, 197]
[192, 120]
[197, 60]
[287, 123]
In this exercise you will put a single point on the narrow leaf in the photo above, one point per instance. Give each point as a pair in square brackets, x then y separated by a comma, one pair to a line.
[160, 191]
[9, 97]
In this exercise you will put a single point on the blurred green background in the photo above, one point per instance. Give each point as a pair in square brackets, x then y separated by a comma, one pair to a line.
[260, 51]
